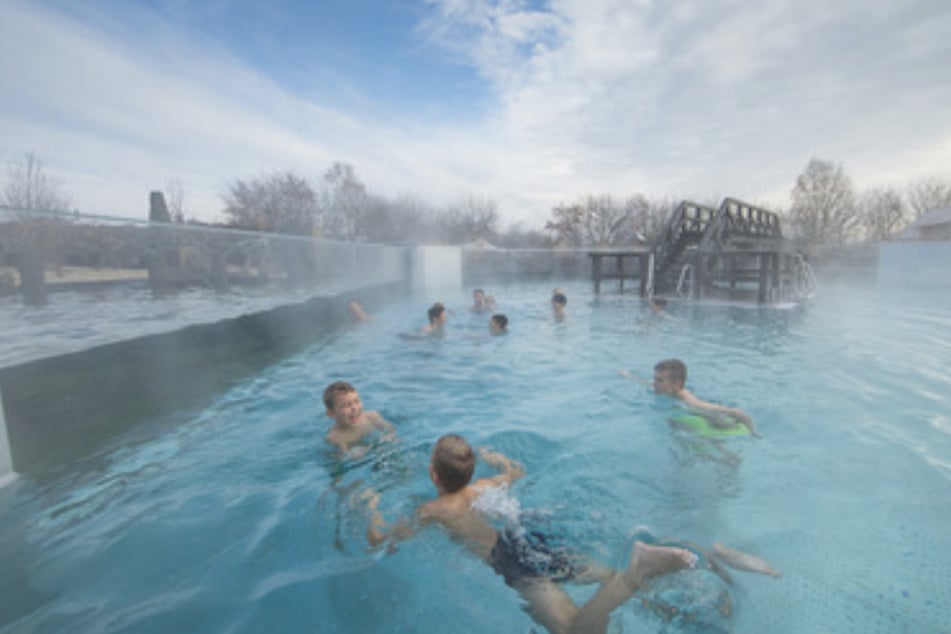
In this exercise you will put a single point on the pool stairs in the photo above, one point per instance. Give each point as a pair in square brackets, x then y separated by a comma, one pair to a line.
[735, 253]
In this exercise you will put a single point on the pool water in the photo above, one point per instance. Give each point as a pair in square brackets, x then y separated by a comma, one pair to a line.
[237, 519]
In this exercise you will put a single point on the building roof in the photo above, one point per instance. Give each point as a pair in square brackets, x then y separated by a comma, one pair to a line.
[927, 222]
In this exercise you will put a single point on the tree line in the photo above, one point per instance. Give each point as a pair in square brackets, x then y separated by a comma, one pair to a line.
[825, 210]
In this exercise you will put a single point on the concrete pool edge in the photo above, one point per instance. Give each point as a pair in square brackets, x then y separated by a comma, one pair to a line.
[61, 408]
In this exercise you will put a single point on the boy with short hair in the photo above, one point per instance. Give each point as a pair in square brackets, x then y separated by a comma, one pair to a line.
[498, 324]
[437, 319]
[478, 301]
[532, 568]
[670, 376]
[351, 423]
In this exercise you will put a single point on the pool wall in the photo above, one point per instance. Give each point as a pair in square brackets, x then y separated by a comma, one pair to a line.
[915, 264]
[484, 265]
[6, 462]
[61, 408]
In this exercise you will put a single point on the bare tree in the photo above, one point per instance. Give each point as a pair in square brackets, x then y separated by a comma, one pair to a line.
[282, 202]
[518, 235]
[597, 221]
[344, 202]
[651, 221]
[175, 198]
[883, 212]
[928, 194]
[405, 219]
[473, 218]
[565, 225]
[28, 187]
[823, 204]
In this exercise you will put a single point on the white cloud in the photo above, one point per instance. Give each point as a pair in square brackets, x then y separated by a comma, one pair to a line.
[722, 98]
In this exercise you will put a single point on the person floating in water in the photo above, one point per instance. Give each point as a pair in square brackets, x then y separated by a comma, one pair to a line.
[352, 425]
[355, 308]
[437, 319]
[558, 303]
[657, 305]
[498, 324]
[478, 301]
[525, 562]
[670, 377]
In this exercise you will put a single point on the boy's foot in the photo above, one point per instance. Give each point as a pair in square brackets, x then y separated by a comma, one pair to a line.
[744, 561]
[652, 561]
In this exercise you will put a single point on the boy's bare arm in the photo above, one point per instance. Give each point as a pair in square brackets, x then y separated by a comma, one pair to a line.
[511, 469]
[739, 415]
[336, 441]
[377, 420]
[378, 532]
[627, 374]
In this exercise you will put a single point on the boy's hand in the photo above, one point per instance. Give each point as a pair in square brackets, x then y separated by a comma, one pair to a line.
[375, 537]
[491, 457]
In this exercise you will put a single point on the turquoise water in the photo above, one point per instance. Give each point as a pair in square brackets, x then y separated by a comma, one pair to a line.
[226, 520]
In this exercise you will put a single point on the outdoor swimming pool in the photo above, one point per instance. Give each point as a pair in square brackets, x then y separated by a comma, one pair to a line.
[224, 519]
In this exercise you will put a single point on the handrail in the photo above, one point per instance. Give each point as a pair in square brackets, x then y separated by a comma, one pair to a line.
[649, 286]
[689, 220]
[736, 218]
[680, 282]
[805, 277]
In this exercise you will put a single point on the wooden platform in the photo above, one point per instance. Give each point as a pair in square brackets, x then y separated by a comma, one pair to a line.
[629, 264]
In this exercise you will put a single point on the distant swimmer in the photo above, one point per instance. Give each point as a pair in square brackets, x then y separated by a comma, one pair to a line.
[558, 303]
[437, 319]
[435, 328]
[355, 308]
[478, 301]
[498, 324]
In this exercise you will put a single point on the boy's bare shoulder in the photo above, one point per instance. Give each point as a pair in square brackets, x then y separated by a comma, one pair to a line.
[372, 417]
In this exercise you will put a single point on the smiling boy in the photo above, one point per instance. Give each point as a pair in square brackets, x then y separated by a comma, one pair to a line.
[351, 423]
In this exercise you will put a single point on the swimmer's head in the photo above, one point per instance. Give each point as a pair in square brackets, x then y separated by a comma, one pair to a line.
[498, 324]
[356, 310]
[670, 376]
[436, 313]
[559, 299]
[452, 464]
[343, 403]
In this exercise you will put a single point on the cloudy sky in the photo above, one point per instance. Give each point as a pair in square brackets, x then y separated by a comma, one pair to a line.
[528, 103]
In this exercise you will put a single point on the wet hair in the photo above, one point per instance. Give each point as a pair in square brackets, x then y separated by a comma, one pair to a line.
[660, 302]
[453, 462]
[435, 311]
[479, 291]
[675, 368]
[335, 389]
[559, 298]
[500, 320]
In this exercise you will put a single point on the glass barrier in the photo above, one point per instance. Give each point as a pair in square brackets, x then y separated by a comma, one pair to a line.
[68, 280]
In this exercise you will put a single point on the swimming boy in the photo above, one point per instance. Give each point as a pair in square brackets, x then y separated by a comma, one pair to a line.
[352, 425]
[357, 312]
[437, 319]
[478, 301]
[558, 303]
[531, 568]
[670, 376]
[498, 324]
